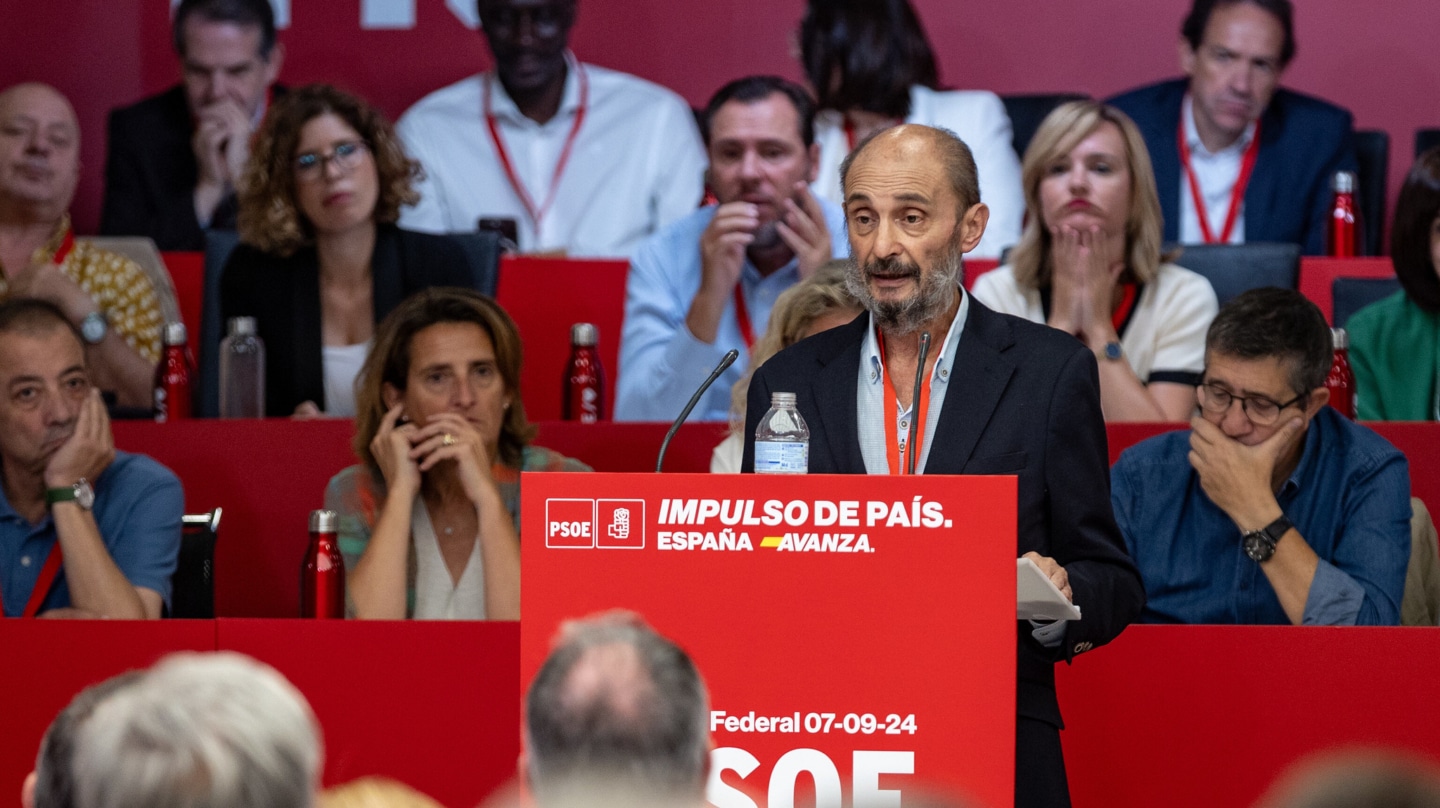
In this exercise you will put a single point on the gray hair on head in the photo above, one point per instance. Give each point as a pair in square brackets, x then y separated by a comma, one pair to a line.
[201, 731]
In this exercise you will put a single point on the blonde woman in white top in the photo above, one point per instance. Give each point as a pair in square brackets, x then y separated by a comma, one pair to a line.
[1089, 263]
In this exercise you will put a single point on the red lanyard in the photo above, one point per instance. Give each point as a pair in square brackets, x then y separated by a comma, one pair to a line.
[1127, 302]
[1237, 194]
[44, 582]
[538, 213]
[66, 245]
[742, 319]
[893, 451]
[849, 136]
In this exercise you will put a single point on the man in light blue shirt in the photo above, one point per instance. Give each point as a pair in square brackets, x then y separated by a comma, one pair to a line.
[1273, 508]
[705, 284]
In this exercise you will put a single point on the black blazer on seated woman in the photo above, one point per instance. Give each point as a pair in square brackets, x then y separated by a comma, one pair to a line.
[283, 295]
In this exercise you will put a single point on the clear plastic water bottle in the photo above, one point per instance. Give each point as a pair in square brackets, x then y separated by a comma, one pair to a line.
[782, 441]
[242, 371]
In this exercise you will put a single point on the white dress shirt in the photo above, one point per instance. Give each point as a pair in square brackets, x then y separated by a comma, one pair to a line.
[1216, 173]
[637, 162]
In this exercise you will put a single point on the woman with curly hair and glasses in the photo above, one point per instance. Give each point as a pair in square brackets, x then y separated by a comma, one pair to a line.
[321, 260]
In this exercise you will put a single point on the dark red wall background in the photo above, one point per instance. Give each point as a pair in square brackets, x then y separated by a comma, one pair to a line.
[1376, 59]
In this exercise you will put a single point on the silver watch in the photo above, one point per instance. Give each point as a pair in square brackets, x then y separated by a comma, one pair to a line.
[94, 327]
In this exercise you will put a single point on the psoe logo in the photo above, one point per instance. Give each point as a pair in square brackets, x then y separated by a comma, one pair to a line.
[608, 524]
[570, 523]
[621, 523]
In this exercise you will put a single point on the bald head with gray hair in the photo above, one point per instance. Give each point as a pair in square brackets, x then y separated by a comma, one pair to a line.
[201, 731]
[617, 713]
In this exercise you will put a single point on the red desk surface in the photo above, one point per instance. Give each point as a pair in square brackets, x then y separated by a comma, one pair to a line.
[431, 704]
[1166, 715]
[1184, 716]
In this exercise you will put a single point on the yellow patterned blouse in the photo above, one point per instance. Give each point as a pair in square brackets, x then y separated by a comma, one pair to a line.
[118, 285]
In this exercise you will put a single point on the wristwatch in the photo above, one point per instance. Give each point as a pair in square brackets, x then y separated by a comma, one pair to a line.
[81, 493]
[1113, 351]
[1260, 544]
[94, 327]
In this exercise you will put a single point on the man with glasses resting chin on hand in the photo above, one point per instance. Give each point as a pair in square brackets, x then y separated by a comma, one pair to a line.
[1273, 508]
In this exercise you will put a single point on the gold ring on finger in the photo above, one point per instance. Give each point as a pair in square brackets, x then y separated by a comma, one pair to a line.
[448, 440]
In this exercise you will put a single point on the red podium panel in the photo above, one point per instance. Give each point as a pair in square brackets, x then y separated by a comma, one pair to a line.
[857, 634]
[429, 703]
[47, 662]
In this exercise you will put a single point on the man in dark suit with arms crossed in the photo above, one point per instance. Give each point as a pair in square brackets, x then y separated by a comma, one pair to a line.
[1025, 400]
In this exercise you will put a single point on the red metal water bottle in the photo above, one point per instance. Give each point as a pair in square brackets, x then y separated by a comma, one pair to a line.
[1341, 381]
[322, 576]
[1344, 217]
[584, 378]
[172, 377]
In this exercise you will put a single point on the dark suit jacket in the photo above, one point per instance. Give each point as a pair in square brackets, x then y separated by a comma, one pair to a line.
[150, 175]
[1303, 142]
[1023, 399]
[283, 295]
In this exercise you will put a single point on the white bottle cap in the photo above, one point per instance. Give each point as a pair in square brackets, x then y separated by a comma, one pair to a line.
[242, 326]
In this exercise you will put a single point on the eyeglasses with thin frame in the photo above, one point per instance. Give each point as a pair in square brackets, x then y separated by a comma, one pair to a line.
[346, 155]
[1261, 411]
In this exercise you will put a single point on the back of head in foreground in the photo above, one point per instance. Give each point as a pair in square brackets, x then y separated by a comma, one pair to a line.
[616, 715]
[201, 730]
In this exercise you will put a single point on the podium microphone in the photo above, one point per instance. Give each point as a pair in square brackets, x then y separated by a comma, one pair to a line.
[910, 448]
[725, 362]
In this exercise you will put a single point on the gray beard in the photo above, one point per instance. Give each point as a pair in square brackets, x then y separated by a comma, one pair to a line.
[935, 296]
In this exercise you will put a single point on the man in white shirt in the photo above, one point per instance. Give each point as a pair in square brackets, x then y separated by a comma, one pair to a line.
[706, 283]
[586, 161]
[1236, 157]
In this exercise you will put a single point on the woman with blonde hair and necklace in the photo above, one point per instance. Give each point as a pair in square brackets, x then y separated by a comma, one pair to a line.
[1090, 263]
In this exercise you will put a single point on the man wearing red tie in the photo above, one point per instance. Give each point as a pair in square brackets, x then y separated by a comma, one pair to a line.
[1237, 158]
[705, 284]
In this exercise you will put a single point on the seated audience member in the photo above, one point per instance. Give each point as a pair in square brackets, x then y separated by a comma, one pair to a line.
[85, 531]
[321, 260]
[1231, 117]
[818, 303]
[175, 159]
[871, 68]
[1395, 343]
[617, 715]
[586, 161]
[1090, 265]
[216, 729]
[706, 283]
[1273, 508]
[103, 294]
[52, 783]
[430, 520]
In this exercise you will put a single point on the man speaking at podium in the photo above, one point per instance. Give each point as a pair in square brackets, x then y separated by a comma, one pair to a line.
[1025, 401]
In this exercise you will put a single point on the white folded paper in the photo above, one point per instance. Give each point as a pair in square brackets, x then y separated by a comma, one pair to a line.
[1036, 598]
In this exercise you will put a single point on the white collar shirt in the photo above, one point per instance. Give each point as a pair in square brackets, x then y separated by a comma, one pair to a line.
[1216, 172]
[870, 400]
[636, 163]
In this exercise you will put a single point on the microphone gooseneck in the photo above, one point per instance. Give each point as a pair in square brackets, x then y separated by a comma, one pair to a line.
[911, 450]
[725, 362]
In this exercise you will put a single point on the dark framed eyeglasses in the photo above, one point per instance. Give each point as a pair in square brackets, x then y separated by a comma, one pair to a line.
[1261, 411]
[346, 155]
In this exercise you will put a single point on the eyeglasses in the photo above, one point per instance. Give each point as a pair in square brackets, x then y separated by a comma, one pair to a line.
[310, 166]
[1261, 411]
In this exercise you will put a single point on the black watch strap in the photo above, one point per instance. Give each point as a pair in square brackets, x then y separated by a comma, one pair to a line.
[1278, 528]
